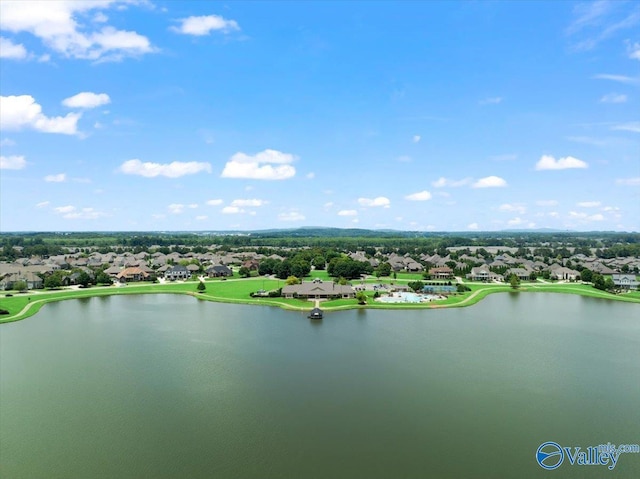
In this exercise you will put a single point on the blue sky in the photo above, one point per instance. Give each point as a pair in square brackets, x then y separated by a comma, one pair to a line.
[452, 116]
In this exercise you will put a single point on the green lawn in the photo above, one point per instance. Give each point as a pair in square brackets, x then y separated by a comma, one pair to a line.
[238, 291]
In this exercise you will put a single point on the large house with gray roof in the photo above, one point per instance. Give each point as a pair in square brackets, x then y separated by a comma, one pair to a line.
[318, 290]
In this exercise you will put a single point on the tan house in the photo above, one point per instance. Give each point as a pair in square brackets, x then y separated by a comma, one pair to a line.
[318, 290]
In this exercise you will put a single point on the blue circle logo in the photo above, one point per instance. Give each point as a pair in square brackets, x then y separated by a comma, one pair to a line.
[549, 455]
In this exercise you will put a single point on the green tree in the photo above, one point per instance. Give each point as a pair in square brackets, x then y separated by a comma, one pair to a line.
[598, 281]
[383, 269]
[84, 279]
[319, 262]
[514, 281]
[609, 285]
[416, 285]
[361, 296]
[201, 287]
[53, 281]
[103, 278]
[586, 275]
[20, 286]
[292, 280]
[244, 272]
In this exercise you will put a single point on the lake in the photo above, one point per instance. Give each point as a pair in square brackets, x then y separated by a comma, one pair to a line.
[165, 386]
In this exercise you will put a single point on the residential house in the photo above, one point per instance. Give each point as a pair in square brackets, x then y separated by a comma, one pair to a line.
[482, 273]
[219, 270]
[441, 272]
[177, 272]
[133, 273]
[318, 290]
[625, 281]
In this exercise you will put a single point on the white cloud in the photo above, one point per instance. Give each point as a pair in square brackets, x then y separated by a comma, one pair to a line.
[13, 162]
[634, 51]
[59, 178]
[64, 209]
[347, 213]
[589, 204]
[613, 98]
[291, 216]
[328, 204]
[473, 226]
[311, 175]
[491, 100]
[260, 166]
[490, 182]
[443, 182]
[554, 214]
[8, 49]
[618, 78]
[419, 196]
[204, 25]
[373, 202]
[416, 138]
[404, 159]
[58, 25]
[216, 202]
[43, 204]
[174, 169]
[84, 214]
[633, 126]
[548, 162]
[232, 210]
[87, 99]
[585, 216]
[175, 208]
[250, 202]
[546, 202]
[201, 217]
[515, 221]
[629, 181]
[513, 208]
[7, 142]
[17, 112]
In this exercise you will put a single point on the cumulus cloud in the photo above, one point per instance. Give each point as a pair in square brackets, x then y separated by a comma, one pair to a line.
[266, 165]
[443, 182]
[490, 182]
[250, 202]
[585, 216]
[204, 25]
[42, 204]
[72, 213]
[178, 208]
[419, 196]
[232, 210]
[634, 51]
[174, 169]
[291, 216]
[22, 111]
[618, 78]
[13, 162]
[59, 178]
[201, 217]
[513, 208]
[8, 49]
[515, 221]
[473, 226]
[87, 99]
[589, 204]
[347, 213]
[372, 202]
[58, 25]
[548, 162]
[215, 202]
[633, 126]
[613, 98]
[311, 175]
[416, 138]
[629, 181]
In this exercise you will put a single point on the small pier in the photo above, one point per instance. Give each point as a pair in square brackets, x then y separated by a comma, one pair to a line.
[316, 313]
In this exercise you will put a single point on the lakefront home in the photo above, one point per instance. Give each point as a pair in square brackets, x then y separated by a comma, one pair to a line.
[318, 290]
[625, 281]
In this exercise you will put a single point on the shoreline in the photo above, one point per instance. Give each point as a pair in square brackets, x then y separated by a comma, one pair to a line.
[33, 304]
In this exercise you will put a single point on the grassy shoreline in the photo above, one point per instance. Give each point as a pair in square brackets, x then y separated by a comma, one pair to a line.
[24, 305]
